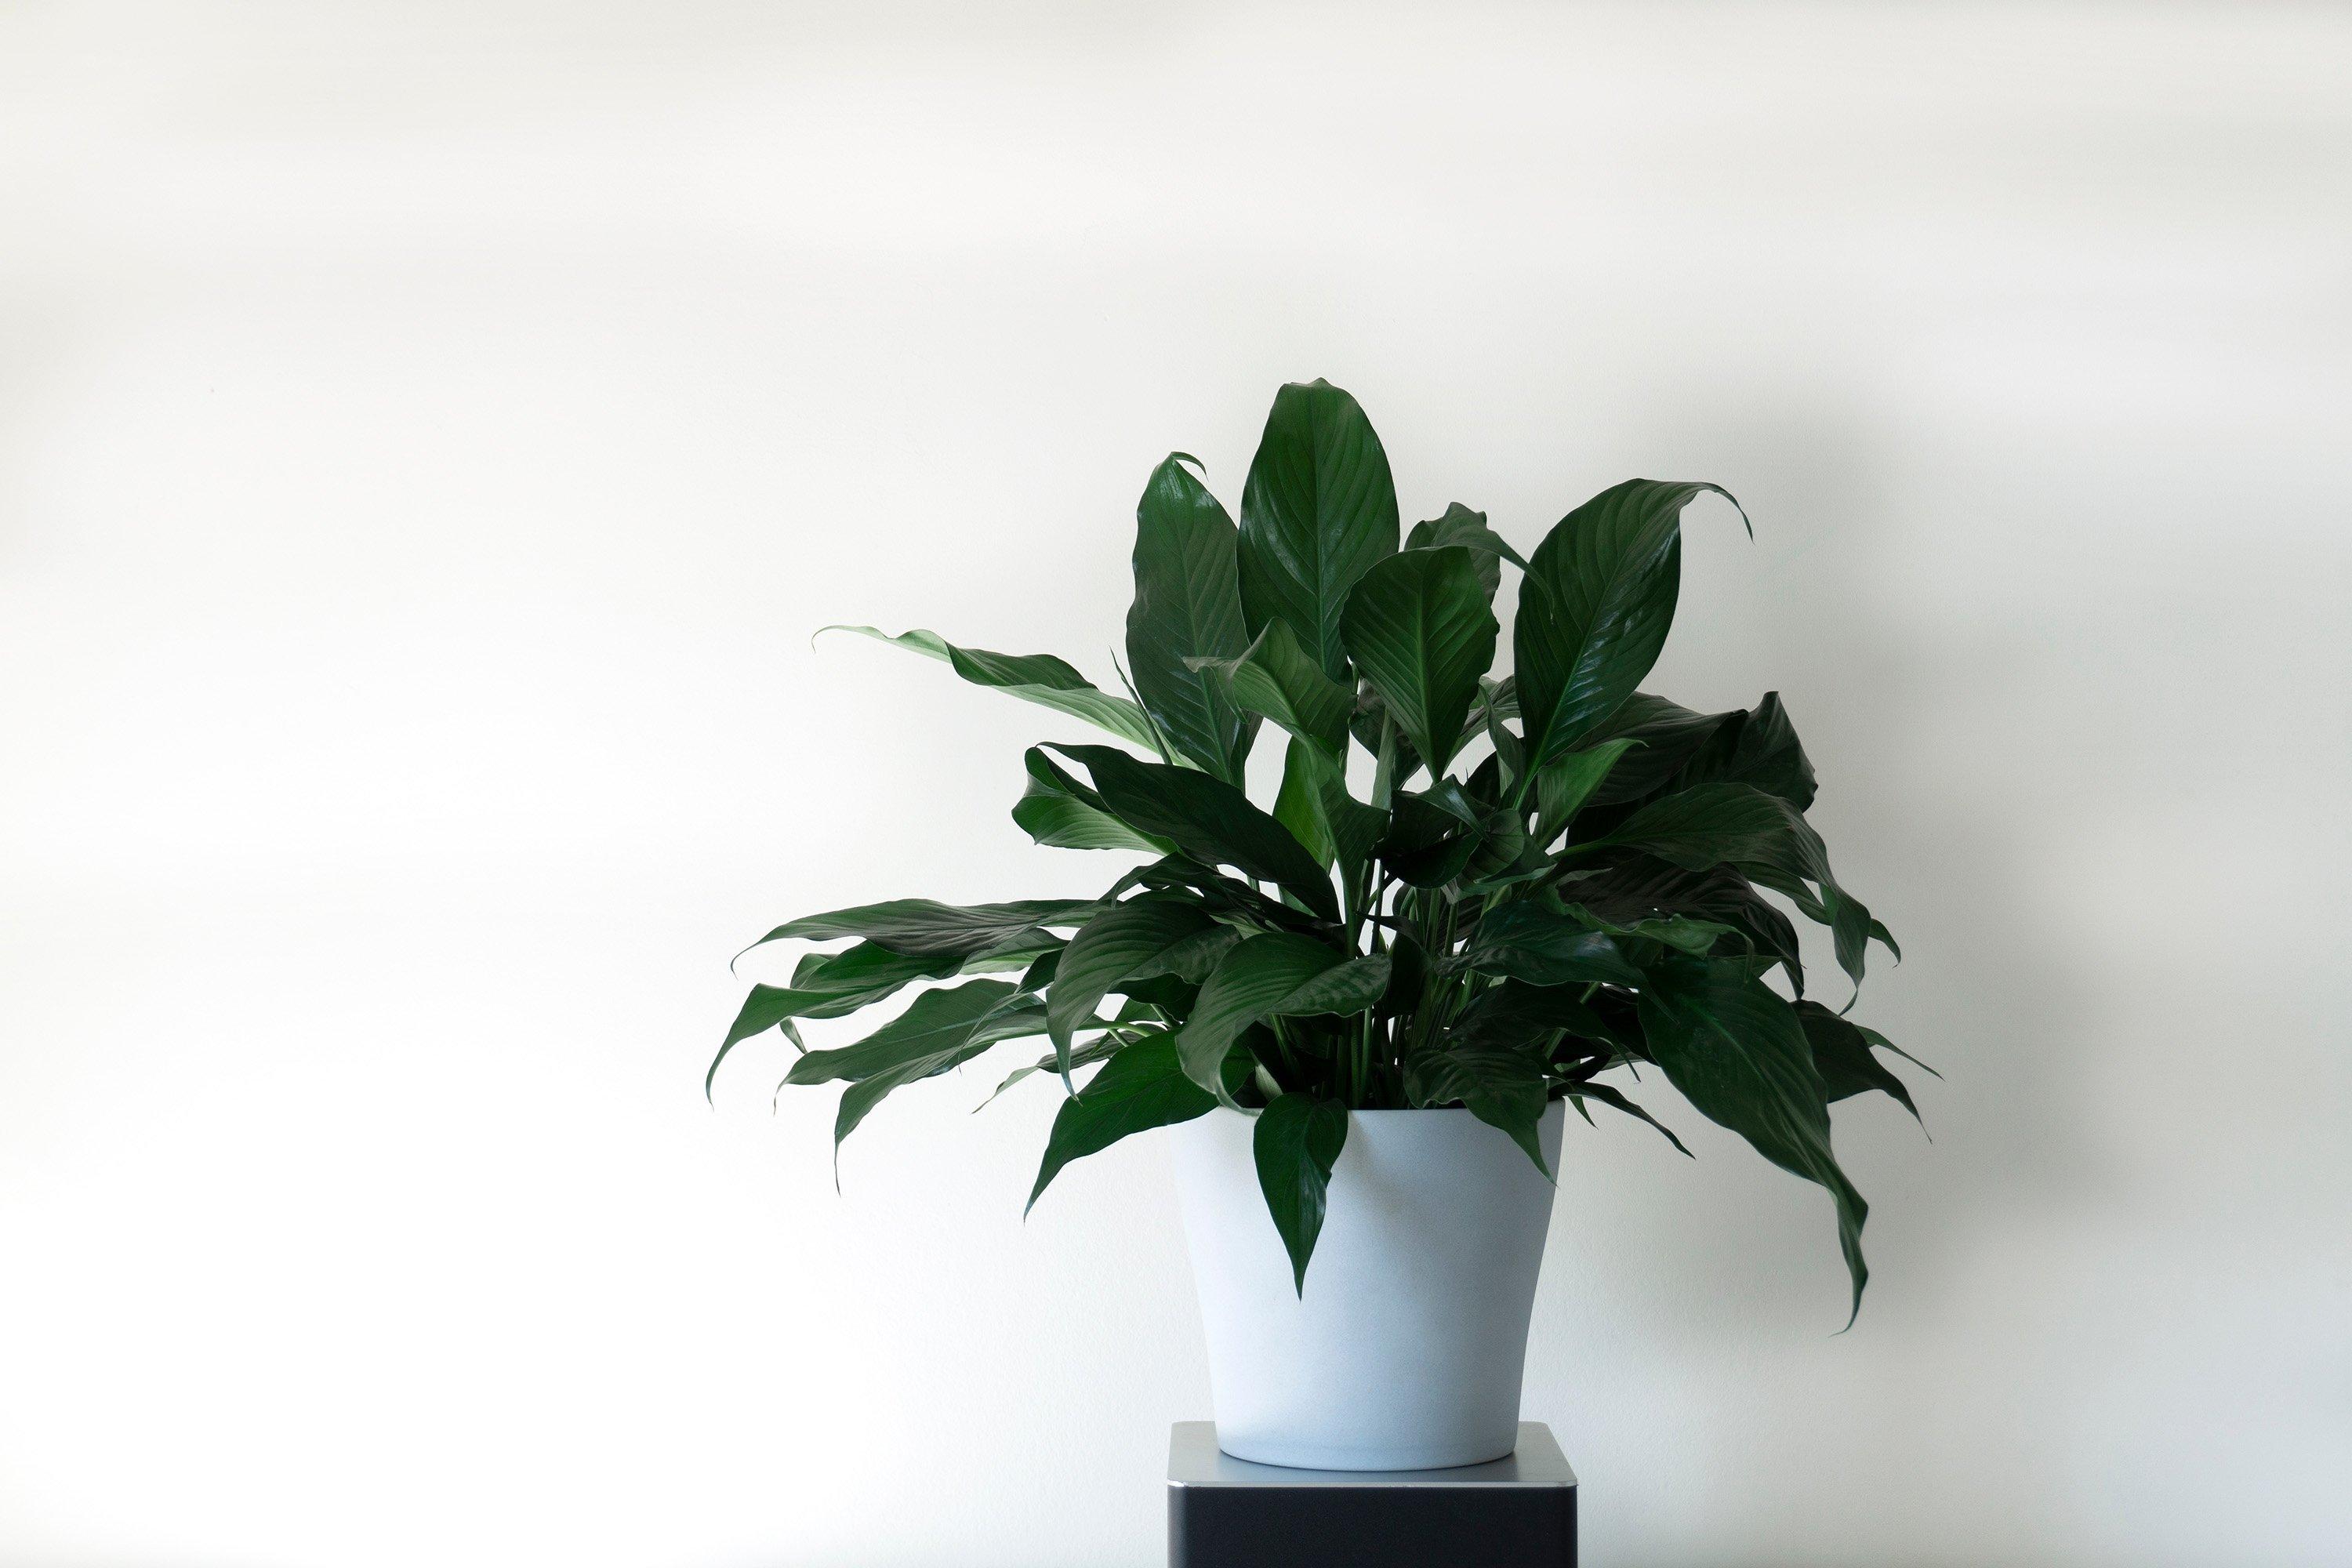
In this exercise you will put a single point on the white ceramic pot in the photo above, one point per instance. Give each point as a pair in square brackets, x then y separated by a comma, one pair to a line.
[1407, 1349]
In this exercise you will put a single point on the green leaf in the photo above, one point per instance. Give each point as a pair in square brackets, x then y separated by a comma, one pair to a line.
[1320, 507]
[1462, 526]
[1502, 1086]
[1340, 822]
[1206, 818]
[1055, 810]
[1545, 946]
[1418, 626]
[1124, 941]
[1088, 1053]
[1038, 677]
[1298, 804]
[1759, 748]
[1281, 680]
[1635, 888]
[1567, 783]
[1610, 1096]
[942, 1029]
[1667, 735]
[1138, 1089]
[1760, 835]
[1841, 1055]
[1515, 1016]
[1188, 606]
[1296, 1142]
[1274, 974]
[1594, 608]
[828, 985]
[920, 926]
[1738, 1054]
[937, 1023]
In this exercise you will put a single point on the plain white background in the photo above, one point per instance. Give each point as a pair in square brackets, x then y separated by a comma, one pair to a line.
[430, 433]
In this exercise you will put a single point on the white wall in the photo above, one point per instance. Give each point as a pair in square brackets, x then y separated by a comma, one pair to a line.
[428, 435]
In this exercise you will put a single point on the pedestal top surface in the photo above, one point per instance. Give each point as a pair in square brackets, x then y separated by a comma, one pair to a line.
[1195, 1460]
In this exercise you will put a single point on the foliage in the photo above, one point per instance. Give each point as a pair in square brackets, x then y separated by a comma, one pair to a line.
[1522, 884]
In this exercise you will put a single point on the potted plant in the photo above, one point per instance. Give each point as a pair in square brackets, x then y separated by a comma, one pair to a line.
[1471, 902]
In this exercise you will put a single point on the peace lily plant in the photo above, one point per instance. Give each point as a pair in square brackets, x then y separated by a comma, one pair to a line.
[1525, 890]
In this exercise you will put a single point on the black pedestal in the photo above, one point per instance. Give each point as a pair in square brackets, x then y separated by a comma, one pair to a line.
[1223, 1512]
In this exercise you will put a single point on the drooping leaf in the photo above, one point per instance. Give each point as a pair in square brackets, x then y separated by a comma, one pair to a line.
[1418, 626]
[1763, 836]
[1502, 1086]
[1139, 1088]
[1759, 748]
[1614, 1098]
[1206, 818]
[1320, 507]
[1667, 736]
[1543, 945]
[1086, 1054]
[1038, 677]
[1274, 975]
[936, 1023]
[1296, 1142]
[1188, 606]
[1634, 888]
[1594, 608]
[829, 985]
[1462, 526]
[1281, 680]
[1841, 1055]
[1124, 941]
[1738, 1054]
[1057, 811]
[926, 926]
[1518, 1017]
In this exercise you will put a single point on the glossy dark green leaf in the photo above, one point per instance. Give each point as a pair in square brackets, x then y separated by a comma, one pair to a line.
[1296, 1142]
[1418, 628]
[1038, 677]
[1568, 782]
[1319, 509]
[1086, 1054]
[1842, 1054]
[1279, 680]
[1298, 804]
[1614, 1098]
[1348, 827]
[1667, 736]
[1594, 608]
[1462, 526]
[829, 985]
[922, 926]
[1546, 946]
[1139, 1088]
[1206, 818]
[1188, 606]
[936, 1023]
[1634, 888]
[1057, 811]
[1274, 974]
[1502, 1086]
[1518, 1017]
[1763, 836]
[1738, 1054]
[1126, 941]
[1759, 748]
